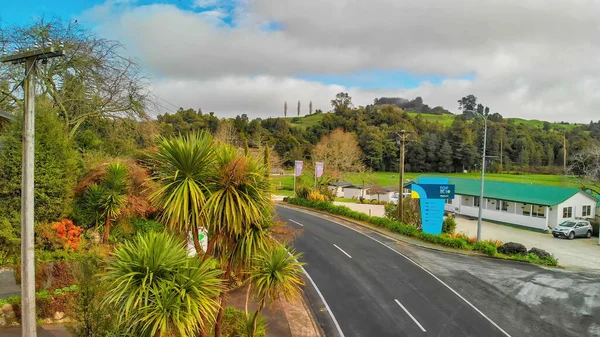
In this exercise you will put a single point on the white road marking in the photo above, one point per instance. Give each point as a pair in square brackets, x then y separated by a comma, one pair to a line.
[425, 270]
[336, 246]
[411, 316]
[296, 222]
[335, 322]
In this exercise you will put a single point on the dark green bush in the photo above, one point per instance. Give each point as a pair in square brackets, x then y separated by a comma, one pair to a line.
[449, 225]
[485, 247]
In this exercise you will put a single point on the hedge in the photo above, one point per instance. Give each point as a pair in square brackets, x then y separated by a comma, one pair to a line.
[458, 241]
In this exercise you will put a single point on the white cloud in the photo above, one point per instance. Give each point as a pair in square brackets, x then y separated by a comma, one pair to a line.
[532, 58]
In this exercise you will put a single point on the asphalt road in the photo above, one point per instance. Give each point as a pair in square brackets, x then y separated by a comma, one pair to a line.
[372, 290]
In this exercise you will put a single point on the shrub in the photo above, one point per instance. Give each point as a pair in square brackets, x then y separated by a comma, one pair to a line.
[542, 254]
[391, 211]
[327, 193]
[485, 247]
[449, 225]
[302, 192]
[59, 235]
[512, 248]
[375, 201]
[468, 239]
[10, 244]
[315, 196]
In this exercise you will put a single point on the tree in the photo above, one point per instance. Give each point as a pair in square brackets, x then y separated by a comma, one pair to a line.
[310, 109]
[267, 160]
[340, 153]
[445, 157]
[586, 166]
[184, 167]
[239, 212]
[467, 103]
[226, 133]
[342, 102]
[92, 80]
[276, 275]
[158, 290]
[298, 108]
[57, 168]
[113, 195]
[285, 109]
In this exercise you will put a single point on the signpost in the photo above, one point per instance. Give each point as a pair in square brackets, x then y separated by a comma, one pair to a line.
[433, 193]
[298, 165]
[318, 172]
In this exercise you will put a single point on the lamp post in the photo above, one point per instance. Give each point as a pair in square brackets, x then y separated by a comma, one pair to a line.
[480, 215]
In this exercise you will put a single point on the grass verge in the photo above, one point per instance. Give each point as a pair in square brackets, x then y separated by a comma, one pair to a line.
[457, 241]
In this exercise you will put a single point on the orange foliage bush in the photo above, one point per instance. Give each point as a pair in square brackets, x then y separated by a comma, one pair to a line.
[470, 240]
[59, 235]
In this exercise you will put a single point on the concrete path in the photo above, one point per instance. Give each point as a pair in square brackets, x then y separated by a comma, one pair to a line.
[577, 254]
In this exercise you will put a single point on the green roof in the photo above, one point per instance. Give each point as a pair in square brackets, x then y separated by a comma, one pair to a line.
[524, 193]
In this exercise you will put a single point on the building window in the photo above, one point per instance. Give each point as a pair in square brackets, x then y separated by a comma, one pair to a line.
[526, 209]
[586, 210]
[538, 211]
[505, 206]
[476, 201]
[567, 212]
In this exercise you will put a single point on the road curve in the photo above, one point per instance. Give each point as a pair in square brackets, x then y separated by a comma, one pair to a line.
[372, 290]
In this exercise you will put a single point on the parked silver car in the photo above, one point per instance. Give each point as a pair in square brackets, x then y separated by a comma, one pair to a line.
[573, 228]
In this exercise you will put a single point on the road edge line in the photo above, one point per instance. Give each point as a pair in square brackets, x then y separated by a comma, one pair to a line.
[341, 250]
[410, 315]
[335, 322]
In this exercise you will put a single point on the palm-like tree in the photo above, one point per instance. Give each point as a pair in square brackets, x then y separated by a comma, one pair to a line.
[239, 210]
[158, 290]
[276, 275]
[185, 166]
[114, 196]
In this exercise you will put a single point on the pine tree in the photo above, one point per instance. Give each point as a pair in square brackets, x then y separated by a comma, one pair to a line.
[445, 157]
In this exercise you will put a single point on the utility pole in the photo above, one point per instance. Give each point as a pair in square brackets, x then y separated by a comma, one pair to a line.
[30, 59]
[565, 152]
[402, 134]
[501, 154]
[480, 214]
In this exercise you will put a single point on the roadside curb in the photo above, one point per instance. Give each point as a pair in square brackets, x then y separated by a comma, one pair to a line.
[398, 237]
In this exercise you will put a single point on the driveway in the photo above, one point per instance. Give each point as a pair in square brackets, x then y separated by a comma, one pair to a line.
[576, 254]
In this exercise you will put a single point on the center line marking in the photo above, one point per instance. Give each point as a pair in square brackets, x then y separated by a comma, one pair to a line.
[348, 255]
[409, 315]
[296, 222]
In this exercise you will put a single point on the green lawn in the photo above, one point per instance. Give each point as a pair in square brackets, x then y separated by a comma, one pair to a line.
[445, 120]
[304, 122]
[391, 179]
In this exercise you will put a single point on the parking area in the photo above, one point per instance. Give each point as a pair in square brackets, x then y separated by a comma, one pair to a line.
[577, 254]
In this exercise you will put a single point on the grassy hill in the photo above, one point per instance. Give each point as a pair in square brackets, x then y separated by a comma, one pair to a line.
[446, 120]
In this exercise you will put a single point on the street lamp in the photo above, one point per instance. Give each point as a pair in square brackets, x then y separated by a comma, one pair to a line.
[485, 119]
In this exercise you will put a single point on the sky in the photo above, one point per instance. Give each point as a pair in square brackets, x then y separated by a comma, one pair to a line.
[534, 59]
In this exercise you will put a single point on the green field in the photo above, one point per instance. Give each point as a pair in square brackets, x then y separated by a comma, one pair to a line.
[391, 179]
[446, 120]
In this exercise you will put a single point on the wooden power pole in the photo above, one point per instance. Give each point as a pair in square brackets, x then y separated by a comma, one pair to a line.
[565, 152]
[30, 59]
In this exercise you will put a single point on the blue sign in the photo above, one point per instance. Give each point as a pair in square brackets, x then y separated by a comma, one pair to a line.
[433, 193]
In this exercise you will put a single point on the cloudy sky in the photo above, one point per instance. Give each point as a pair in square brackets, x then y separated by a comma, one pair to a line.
[535, 59]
